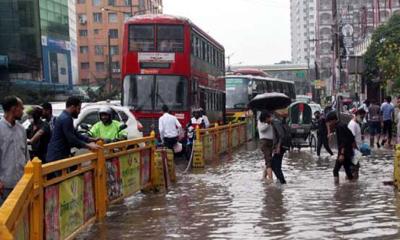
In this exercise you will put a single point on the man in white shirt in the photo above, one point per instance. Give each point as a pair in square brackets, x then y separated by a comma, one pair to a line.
[205, 118]
[355, 128]
[169, 127]
[355, 125]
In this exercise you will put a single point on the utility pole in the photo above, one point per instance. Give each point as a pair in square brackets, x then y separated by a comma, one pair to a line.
[336, 56]
[109, 62]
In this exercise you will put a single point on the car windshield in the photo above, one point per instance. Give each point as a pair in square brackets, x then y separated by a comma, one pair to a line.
[237, 95]
[151, 92]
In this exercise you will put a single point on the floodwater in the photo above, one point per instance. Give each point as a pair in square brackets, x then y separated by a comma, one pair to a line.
[228, 200]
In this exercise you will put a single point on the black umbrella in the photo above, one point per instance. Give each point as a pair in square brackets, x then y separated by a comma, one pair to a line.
[270, 101]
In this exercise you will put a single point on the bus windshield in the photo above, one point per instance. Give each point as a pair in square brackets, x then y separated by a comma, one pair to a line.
[237, 95]
[151, 92]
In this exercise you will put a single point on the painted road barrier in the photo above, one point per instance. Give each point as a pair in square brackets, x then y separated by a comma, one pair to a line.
[396, 167]
[59, 199]
[218, 140]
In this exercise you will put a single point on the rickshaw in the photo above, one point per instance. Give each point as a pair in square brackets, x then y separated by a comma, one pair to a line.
[300, 123]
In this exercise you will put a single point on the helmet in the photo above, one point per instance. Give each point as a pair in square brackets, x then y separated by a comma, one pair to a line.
[106, 110]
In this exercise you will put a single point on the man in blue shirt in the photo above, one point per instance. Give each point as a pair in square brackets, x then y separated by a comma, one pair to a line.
[65, 137]
[387, 110]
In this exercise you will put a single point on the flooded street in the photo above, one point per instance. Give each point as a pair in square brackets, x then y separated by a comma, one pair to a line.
[228, 200]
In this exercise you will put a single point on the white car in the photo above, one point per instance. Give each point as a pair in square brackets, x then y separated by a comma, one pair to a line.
[90, 115]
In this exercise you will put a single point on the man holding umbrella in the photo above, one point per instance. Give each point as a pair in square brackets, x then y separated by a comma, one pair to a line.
[271, 137]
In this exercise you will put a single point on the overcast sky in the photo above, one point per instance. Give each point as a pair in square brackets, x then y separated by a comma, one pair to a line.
[255, 31]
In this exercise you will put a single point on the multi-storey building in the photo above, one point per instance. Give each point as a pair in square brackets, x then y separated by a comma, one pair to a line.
[100, 35]
[355, 20]
[303, 36]
[35, 40]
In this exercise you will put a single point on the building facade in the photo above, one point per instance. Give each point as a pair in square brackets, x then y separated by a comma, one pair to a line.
[100, 35]
[341, 26]
[35, 40]
[303, 35]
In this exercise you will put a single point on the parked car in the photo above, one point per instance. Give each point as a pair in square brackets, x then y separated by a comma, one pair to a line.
[1, 112]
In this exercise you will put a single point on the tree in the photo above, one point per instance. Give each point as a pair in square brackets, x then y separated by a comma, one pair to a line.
[382, 59]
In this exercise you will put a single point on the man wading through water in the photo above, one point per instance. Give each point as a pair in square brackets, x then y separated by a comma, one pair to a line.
[346, 145]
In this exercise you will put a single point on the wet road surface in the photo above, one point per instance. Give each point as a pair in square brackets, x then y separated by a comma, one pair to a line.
[228, 200]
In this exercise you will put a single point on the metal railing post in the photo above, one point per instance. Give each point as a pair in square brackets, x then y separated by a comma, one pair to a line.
[152, 158]
[217, 142]
[37, 215]
[230, 136]
[101, 185]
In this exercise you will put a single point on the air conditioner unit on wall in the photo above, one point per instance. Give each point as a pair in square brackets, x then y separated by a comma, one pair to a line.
[82, 21]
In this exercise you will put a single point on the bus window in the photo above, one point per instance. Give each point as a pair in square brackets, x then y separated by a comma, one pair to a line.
[292, 91]
[170, 38]
[141, 38]
[270, 88]
[285, 89]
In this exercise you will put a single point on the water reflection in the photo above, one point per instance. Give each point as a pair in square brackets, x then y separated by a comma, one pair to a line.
[228, 200]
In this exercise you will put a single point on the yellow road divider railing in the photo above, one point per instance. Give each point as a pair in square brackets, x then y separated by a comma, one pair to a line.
[59, 199]
[396, 172]
[217, 140]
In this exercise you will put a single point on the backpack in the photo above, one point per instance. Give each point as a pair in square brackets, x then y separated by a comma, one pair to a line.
[282, 130]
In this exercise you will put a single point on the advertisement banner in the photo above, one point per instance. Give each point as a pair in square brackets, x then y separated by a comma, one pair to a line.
[22, 229]
[71, 205]
[130, 173]
[223, 141]
[207, 146]
[52, 212]
[235, 140]
[88, 196]
[114, 181]
[145, 167]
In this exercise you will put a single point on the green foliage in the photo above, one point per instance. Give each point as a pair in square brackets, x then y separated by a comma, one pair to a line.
[382, 59]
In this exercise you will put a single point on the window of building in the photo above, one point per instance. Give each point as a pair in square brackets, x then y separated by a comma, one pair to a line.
[84, 49]
[170, 38]
[115, 66]
[81, 1]
[96, 31]
[85, 65]
[114, 50]
[113, 33]
[112, 17]
[127, 2]
[99, 50]
[85, 81]
[111, 2]
[83, 32]
[96, 2]
[97, 18]
[141, 38]
[100, 66]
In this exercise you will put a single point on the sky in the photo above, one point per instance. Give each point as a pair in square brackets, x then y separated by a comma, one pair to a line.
[254, 31]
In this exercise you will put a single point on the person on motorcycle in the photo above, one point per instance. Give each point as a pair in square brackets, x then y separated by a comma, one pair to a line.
[107, 129]
[196, 121]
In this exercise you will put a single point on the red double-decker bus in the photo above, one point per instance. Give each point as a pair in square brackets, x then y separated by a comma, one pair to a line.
[169, 60]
